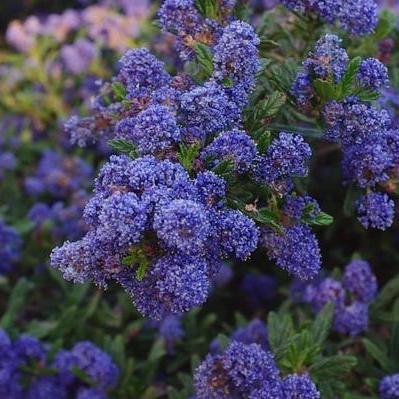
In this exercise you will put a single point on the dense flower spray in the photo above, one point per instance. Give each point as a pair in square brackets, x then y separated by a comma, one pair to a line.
[365, 132]
[58, 378]
[246, 370]
[351, 297]
[162, 219]
[357, 17]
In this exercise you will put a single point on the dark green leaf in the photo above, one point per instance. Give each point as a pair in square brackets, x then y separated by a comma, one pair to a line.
[16, 302]
[322, 219]
[224, 168]
[321, 326]
[326, 90]
[208, 8]
[119, 91]
[78, 372]
[281, 329]
[377, 354]
[349, 77]
[367, 95]
[187, 155]
[272, 104]
[204, 59]
[386, 24]
[330, 368]
[387, 295]
[352, 195]
[124, 147]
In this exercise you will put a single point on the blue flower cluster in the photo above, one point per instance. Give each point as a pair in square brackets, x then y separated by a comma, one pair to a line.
[258, 289]
[369, 144]
[160, 224]
[159, 232]
[151, 211]
[294, 248]
[10, 247]
[389, 387]
[58, 176]
[58, 378]
[62, 220]
[248, 371]
[161, 111]
[351, 297]
[357, 17]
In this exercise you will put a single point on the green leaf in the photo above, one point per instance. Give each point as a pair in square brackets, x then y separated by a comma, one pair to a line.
[330, 368]
[394, 341]
[124, 147]
[281, 329]
[377, 354]
[66, 322]
[16, 302]
[326, 90]
[119, 91]
[349, 77]
[267, 44]
[321, 326]
[322, 219]
[78, 372]
[157, 351]
[386, 24]
[367, 95]
[118, 351]
[208, 8]
[204, 59]
[187, 155]
[224, 168]
[266, 216]
[386, 296]
[272, 104]
[138, 258]
[264, 141]
[227, 82]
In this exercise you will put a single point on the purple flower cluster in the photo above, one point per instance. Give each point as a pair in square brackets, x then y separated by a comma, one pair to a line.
[357, 17]
[170, 330]
[10, 247]
[248, 371]
[351, 297]
[286, 158]
[157, 230]
[294, 248]
[376, 210]
[389, 387]
[258, 289]
[26, 351]
[63, 220]
[327, 61]
[369, 144]
[162, 228]
[58, 175]
[373, 74]
[153, 208]
[300, 387]
[164, 111]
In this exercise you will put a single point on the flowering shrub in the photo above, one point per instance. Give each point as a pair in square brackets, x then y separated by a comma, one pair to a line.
[198, 197]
